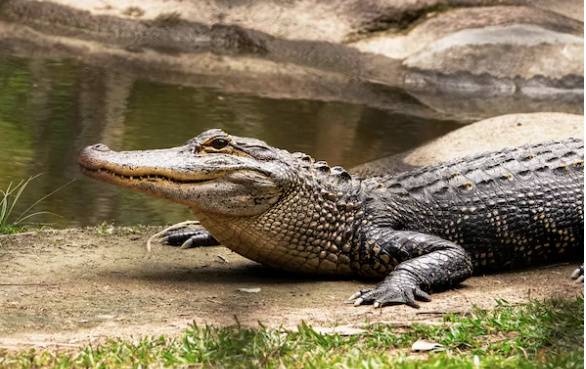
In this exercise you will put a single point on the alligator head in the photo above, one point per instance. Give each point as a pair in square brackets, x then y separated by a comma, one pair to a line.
[278, 208]
[212, 172]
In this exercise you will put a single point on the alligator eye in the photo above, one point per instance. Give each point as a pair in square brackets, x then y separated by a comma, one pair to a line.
[219, 143]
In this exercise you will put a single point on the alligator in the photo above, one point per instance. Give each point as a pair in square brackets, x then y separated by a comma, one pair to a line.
[416, 232]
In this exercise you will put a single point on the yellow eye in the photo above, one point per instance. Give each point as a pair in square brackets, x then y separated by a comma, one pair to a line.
[219, 143]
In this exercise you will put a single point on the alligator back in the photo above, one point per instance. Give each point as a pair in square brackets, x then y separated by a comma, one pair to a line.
[507, 208]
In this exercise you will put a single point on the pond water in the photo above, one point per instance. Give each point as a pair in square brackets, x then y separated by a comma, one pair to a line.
[51, 109]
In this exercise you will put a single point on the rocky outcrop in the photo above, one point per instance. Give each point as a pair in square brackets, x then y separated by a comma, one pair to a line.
[500, 50]
[503, 59]
[487, 135]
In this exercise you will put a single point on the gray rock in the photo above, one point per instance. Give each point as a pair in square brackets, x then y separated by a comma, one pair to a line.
[487, 135]
[488, 51]
[398, 16]
[511, 55]
[441, 24]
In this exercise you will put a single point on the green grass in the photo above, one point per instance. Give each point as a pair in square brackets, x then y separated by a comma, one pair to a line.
[8, 201]
[539, 334]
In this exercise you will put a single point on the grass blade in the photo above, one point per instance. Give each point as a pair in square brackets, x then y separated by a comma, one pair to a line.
[20, 218]
[17, 222]
[21, 186]
[9, 199]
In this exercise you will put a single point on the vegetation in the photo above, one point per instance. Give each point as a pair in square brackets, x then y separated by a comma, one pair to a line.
[8, 201]
[539, 334]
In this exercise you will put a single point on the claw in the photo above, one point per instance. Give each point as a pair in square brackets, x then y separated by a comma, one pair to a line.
[187, 244]
[175, 226]
[356, 295]
[422, 295]
[377, 305]
[413, 304]
[578, 274]
[358, 302]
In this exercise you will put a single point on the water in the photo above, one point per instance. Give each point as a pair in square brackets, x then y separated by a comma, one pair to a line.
[51, 109]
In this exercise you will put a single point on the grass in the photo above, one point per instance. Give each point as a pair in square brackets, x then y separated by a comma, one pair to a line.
[8, 200]
[538, 334]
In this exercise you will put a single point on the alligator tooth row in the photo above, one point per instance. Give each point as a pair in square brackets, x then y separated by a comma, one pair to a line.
[145, 177]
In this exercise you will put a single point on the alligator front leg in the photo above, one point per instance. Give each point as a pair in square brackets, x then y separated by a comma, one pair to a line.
[176, 235]
[425, 263]
[578, 274]
[188, 238]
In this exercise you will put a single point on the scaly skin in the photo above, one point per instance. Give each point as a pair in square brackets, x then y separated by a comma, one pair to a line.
[422, 231]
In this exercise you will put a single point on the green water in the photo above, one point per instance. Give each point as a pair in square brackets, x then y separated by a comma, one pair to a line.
[51, 109]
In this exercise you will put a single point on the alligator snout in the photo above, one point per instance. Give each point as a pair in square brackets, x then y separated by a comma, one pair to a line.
[88, 157]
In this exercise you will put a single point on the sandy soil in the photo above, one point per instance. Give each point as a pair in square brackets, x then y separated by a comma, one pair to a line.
[67, 288]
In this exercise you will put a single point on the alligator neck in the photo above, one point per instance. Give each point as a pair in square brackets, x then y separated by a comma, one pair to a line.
[310, 229]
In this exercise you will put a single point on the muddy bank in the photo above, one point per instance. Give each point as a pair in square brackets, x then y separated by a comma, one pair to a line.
[75, 286]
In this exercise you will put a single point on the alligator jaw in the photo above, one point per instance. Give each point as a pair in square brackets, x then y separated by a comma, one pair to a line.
[138, 170]
[138, 181]
[216, 183]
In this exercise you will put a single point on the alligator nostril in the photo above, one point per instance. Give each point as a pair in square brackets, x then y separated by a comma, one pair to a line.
[101, 147]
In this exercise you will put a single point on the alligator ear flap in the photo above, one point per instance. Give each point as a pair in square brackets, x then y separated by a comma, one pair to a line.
[258, 152]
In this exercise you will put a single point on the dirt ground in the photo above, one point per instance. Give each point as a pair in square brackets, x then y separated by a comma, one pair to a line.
[76, 286]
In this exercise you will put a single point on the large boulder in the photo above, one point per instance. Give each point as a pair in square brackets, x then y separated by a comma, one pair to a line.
[487, 135]
[508, 59]
[499, 50]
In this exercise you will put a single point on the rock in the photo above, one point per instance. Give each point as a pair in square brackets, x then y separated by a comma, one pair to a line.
[570, 8]
[332, 21]
[504, 59]
[499, 50]
[370, 16]
[442, 24]
[487, 135]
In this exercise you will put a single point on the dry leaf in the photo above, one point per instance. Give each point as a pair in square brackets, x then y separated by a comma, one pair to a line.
[424, 345]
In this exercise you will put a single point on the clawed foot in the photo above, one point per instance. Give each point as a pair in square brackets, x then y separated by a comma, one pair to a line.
[578, 274]
[185, 238]
[188, 238]
[385, 294]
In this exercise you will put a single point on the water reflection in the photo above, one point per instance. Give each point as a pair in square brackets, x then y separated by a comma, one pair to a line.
[51, 109]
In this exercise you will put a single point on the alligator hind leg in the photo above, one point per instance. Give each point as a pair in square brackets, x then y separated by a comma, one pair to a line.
[425, 263]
